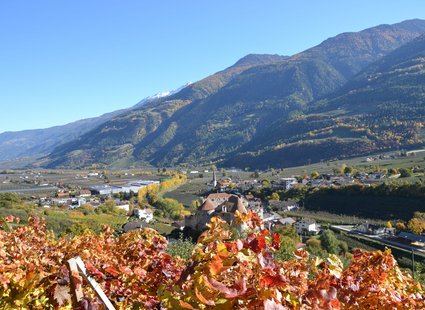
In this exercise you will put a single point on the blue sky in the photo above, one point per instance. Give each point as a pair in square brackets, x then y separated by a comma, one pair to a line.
[61, 61]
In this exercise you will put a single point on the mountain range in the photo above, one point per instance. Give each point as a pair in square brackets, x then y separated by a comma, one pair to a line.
[353, 94]
[40, 142]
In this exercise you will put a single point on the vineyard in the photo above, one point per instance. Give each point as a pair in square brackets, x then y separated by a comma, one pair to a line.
[135, 272]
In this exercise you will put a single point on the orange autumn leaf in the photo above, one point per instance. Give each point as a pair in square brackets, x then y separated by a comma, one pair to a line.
[203, 299]
[186, 305]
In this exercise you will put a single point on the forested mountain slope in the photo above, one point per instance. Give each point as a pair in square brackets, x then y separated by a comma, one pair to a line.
[382, 108]
[254, 113]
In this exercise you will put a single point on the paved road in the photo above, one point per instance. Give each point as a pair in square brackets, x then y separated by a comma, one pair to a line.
[382, 239]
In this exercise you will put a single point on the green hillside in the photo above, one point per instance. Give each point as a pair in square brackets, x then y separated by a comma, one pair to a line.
[382, 108]
[265, 110]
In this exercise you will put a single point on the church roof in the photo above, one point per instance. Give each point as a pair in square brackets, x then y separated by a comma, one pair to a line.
[237, 204]
[207, 205]
[219, 196]
[241, 206]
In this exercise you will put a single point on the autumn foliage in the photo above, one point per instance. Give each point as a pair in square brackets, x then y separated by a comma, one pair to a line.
[135, 272]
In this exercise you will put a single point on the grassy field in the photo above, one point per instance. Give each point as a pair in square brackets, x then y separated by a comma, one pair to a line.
[360, 164]
[60, 219]
[189, 191]
[330, 218]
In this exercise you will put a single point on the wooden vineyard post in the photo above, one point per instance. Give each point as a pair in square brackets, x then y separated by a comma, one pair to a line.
[76, 288]
[77, 264]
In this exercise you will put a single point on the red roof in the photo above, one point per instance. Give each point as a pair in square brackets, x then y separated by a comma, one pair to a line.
[219, 196]
[207, 205]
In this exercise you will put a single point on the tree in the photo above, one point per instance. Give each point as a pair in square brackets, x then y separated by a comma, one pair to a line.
[416, 225]
[275, 196]
[255, 174]
[110, 203]
[400, 226]
[266, 183]
[329, 242]
[315, 175]
[419, 215]
[131, 206]
[77, 229]
[342, 168]
[314, 247]
[405, 173]
[348, 170]
[343, 247]
[393, 171]
[194, 205]
[170, 208]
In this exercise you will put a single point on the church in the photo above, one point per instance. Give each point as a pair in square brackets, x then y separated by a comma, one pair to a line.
[223, 205]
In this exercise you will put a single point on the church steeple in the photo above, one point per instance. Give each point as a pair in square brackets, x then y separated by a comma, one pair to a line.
[214, 181]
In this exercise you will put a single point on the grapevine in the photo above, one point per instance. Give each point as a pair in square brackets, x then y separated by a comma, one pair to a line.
[135, 272]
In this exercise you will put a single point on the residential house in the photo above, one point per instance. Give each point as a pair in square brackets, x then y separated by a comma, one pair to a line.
[134, 225]
[246, 185]
[377, 176]
[62, 193]
[283, 206]
[85, 193]
[306, 180]
[371, 229]
[146, 214]
[284, 183]
[77, 202]
[307, 226]
[224, 184]
[255, 205]
[276, 224]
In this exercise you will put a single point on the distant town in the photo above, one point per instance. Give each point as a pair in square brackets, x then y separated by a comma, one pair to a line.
[223, 194]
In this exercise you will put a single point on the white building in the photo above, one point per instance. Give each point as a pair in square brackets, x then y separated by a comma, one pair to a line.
[145, 214]
[101, 190]
[284, 183]
[306, 226]
[371, 229]
[133, 186]
[77, 202]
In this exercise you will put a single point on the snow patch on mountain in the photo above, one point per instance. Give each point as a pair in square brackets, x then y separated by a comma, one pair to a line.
[161, 95]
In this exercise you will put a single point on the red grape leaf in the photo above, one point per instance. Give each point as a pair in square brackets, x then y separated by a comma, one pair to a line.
[230, 292]
[112, 271]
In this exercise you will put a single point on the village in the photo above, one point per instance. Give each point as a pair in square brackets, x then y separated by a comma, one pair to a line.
[225, 199]
[219, 197]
